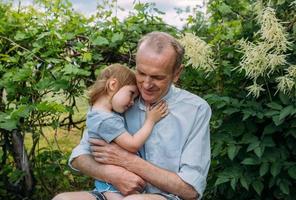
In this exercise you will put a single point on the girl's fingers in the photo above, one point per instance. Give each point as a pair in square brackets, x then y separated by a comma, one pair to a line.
[165, 113]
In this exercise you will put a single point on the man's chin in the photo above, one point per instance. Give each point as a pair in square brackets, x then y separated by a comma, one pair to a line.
[148, 99]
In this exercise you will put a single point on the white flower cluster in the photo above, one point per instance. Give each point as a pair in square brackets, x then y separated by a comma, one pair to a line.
[286, 83]
[272, 30]
[255, 89]
[258, 59]
[198, 52]
[265, 56]
[293, 4]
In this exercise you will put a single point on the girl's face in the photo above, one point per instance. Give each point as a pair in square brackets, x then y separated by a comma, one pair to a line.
[124, 98]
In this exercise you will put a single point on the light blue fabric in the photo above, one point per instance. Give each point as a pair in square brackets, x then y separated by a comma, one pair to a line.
[104, 125]
[180, 142]
[102, 186]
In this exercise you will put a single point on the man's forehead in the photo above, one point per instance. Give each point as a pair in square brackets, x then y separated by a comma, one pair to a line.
[151, 71]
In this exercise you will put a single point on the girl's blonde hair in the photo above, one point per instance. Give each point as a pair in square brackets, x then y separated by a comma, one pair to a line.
[121, 73]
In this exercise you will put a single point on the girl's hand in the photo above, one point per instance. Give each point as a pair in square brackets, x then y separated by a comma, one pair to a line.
[157, 112]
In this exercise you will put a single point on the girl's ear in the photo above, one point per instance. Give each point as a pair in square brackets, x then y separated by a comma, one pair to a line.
[112, 85]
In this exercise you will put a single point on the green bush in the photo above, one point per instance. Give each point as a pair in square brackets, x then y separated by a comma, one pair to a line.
[253, 137]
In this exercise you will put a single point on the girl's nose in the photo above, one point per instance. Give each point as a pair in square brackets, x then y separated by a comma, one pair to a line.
[131, 103]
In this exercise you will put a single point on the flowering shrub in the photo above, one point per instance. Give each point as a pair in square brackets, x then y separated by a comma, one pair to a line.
[253, 97]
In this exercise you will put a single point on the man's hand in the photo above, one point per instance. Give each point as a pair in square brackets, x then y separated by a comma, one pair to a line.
[110, 154]
[163, 179]
[128, 183]
[115, 157]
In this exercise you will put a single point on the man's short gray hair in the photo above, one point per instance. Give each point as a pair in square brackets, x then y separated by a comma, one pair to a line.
[158, 41]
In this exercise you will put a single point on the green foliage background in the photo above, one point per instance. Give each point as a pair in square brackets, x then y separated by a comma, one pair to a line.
[54, 53]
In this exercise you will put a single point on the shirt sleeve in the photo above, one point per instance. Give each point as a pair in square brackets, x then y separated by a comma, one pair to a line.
[111, 128]
[196, 155]
[82, 148]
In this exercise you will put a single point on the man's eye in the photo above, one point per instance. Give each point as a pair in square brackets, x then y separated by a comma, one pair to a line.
[158, 77]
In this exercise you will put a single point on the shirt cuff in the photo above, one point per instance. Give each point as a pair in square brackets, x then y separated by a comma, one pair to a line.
[193, 178]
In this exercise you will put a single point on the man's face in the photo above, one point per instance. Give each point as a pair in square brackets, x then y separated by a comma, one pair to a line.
[154, 73]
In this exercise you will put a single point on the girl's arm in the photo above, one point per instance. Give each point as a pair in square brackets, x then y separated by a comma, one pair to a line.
[133, 143]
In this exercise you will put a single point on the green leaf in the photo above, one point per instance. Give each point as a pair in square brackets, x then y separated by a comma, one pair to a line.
[247, 114]
[117, 37]
[249, 138]
[258, 186]
[276, 120]
[233, 183]
[268, 142]
[284, 187]
[253, 145]
[271, 113]
[285, 112]
[217, 149]
[100, 41]
[51, 107]
[224, 9]
[280, 2]
[8, 124]
[22, 74]
[259, 151]
[274, 106]
[263, 169]
[45, 83]
[230, 111]
[19, 36]
[21, 111]
[275, 168]
[244, 183]
[70, 69]
[250, 161]
[86, 57]
[284, 98]
[232, 151]
[221, 180]
[292, 172]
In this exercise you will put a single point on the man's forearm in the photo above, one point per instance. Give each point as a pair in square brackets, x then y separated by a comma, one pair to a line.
[115, 175]
[164, 180]
[88, 166]
[160, 178]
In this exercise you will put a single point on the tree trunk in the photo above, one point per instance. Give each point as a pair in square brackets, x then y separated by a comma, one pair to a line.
[21, 160]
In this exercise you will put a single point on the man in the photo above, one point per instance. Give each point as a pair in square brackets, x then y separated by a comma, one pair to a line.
[175, 159]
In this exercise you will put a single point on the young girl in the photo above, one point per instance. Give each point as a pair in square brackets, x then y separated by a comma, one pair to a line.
[113, 93]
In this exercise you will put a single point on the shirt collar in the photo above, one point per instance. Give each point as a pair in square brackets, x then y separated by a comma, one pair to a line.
[168, 98]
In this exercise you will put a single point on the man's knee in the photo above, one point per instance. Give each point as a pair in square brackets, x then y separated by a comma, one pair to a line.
[144, 197]
[62, 196]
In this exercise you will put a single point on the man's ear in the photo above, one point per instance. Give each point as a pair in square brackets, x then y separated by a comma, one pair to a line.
[112, 85]
[178, 73]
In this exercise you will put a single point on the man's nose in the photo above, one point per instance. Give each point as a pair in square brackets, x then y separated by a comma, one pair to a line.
[147, 82]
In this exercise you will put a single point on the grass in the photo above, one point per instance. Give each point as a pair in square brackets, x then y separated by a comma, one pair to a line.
[63, 139]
